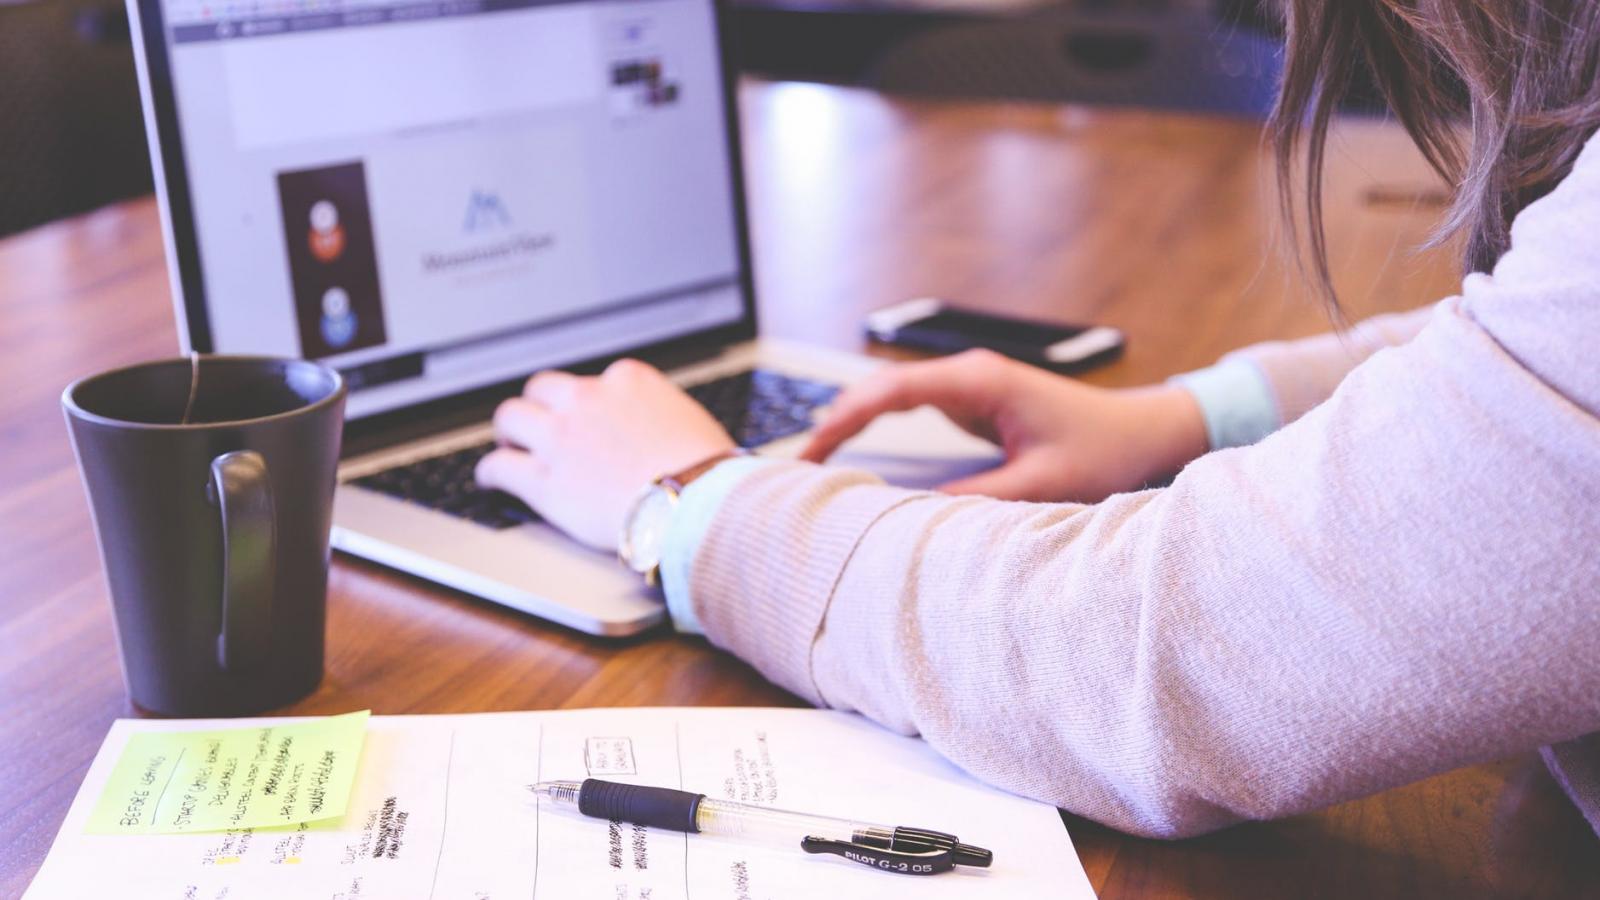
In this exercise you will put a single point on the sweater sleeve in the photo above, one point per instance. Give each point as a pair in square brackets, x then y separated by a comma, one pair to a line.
[1397, 583]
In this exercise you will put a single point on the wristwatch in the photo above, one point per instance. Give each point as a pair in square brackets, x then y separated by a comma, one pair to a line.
[644, 530]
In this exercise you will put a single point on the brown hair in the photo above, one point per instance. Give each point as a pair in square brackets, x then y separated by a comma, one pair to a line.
[1499, 95]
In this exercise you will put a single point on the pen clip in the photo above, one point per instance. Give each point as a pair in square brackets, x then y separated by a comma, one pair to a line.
[930, 863]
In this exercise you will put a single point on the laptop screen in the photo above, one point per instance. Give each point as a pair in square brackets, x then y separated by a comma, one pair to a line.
[436, 196]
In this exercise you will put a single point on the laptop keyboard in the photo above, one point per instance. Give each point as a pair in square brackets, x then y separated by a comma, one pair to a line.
[757, 407]
[445, 483]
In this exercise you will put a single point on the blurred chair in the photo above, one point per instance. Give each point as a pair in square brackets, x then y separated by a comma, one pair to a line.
[1187, 60]
[71, 131]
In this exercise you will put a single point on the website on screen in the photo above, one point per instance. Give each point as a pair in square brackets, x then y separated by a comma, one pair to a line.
[433, 196]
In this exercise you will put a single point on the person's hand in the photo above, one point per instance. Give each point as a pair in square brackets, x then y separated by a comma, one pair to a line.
[578, 450]
[1063, 440]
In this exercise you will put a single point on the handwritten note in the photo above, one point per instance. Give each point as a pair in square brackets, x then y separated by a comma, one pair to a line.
[191, 781]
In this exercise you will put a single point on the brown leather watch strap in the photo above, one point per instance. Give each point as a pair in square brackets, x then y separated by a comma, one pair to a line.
[677, 482]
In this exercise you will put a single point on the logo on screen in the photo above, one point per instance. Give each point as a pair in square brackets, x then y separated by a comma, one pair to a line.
[327, 235]
[485, 210]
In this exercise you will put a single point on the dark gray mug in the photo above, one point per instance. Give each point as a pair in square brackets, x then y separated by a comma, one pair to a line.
[211, 485]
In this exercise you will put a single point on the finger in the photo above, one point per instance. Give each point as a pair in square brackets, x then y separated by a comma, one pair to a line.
[552, 388]
[857, 406]
[516, 472]
[523, 423]
[1025, 478]
[892, 389]
[626, 369]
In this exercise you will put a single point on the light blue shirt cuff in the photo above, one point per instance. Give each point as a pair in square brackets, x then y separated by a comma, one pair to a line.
[1235, 400]
[691, 519]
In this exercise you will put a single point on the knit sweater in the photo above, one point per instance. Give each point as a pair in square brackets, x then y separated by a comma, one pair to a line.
[1399, 581]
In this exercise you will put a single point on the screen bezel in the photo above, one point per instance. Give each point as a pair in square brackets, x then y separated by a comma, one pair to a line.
[183, 249]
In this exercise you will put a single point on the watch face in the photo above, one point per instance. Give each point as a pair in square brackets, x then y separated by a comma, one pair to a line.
[646, 531]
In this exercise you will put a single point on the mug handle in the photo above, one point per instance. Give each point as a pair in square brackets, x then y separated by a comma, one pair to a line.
[249, 557]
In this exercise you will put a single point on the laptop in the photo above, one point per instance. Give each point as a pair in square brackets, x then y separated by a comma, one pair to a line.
[439, 198]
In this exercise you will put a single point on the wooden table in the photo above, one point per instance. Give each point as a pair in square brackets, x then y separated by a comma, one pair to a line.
[1153, 223]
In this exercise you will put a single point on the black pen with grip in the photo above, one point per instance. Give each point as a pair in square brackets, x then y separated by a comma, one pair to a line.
[907, 851]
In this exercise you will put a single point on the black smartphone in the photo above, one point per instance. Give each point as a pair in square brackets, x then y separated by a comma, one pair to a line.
[931, 324]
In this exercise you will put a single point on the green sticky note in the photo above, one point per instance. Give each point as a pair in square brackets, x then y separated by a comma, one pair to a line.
[170, 782]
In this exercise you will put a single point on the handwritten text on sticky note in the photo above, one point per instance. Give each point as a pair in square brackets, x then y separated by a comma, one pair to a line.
[182, 781]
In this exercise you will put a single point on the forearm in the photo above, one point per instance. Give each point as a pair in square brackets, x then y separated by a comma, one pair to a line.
[1285, 626]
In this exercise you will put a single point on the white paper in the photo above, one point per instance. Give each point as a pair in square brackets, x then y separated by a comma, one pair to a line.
[441, 811]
